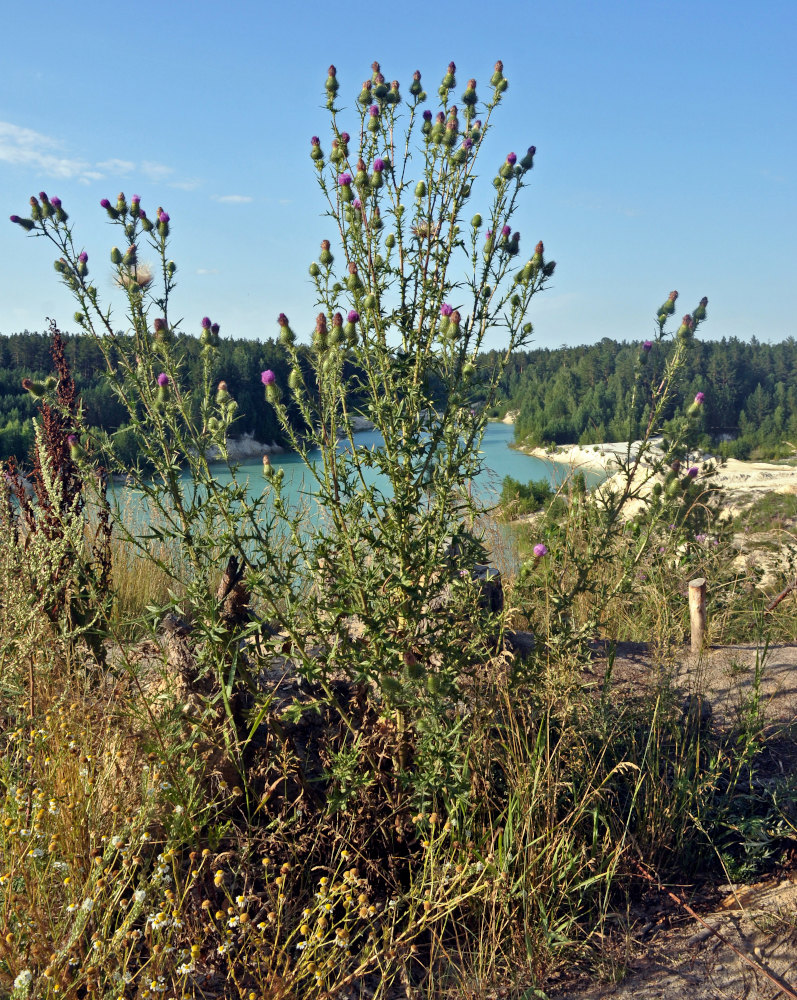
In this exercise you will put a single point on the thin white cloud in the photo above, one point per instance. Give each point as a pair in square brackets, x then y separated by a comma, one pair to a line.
[117, 166]
[155, 171]
[233, 199]
[23, 147]
[207, 270]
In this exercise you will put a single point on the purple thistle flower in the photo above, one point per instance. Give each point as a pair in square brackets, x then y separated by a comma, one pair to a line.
[446, 309]
[205, 322]
[105, 203]
[379, 164]
[489, 235]
[467, 143]
[83, 257]
[506, 230]
[56, 201]
[214, 329]
[540, 550]
[163, 217]
[344, 180]
[268, 377]
[14, 218]
[315, 141]
[163, 380]
[511, 159]
[159, 325]
[427, 115]
[700, 398]
[357, 204]
[354, 316]
[373, 111]
[647, 345]
[282, 319]
[345, 137]
[693, 472]
[71, 439]
[135, 199]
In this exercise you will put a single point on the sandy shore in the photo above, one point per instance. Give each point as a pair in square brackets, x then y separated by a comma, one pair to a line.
[752, 477]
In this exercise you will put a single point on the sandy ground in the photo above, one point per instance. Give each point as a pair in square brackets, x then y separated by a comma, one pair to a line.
[746, 477]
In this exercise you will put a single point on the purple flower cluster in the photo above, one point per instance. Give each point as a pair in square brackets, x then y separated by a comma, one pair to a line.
[540, 550]
[268, 377]
[163, 380]
[446, 309]
[700, 398]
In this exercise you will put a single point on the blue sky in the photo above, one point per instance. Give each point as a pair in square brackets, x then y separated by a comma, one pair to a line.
[666, 137]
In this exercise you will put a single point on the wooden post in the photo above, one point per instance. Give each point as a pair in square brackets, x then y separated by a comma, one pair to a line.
[697, 612]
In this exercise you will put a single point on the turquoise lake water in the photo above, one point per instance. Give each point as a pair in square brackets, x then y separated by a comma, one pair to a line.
[499, 460]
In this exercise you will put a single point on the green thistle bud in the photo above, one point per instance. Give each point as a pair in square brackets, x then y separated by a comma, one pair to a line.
[390, 686]
[80, 318]
[370, 301]
[350, 330]
[213, 425]
[206, 338]
[549, 268]
[433, 683]
[498, 75]
[325, 256]
[273, 393]
[76, 453]
[171, 267]
[353, 282]
[222, 393]
[60, 265]
[528, 329]
[146, 225]
[35, 209]
[468, 369]
[314, 270]
[420, 189]
[287, 336]
[295, 380]
[130, 258]
[116, 255]
[230, 409]
[121, 204]
[700, 313]
[36, 389]
[415, 86]
[331, 86]
[502, 86]
[390, 241]
[268, 468]
[469, 98]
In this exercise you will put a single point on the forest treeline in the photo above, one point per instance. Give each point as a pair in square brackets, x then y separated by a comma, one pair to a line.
[585, 395]
[564, 395]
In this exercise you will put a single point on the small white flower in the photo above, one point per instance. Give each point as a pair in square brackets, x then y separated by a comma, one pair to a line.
[22, 982]
[139, 896]
[87, 904]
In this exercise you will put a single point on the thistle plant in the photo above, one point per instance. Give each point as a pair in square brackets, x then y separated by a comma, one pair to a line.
[376, 587]
[599, 544]
[406, 301]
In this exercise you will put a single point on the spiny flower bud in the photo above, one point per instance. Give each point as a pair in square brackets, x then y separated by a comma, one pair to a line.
[365, 93]
[163, 223]
[449, 80]
[316, 153]
[527, 161]
[76, 453]
[686, 327]
[146, 224]
[116, 255]
[130, 258]
[469, 98]
[700, 398]
[60, 214]
[135, 205]
[35, 209]
[508, 167]
[669, 306]
[268, 377]
[353, 282]
[498, 74]
[332, 84]
[380, 89]
[26, 224]
[344, 187]
[420, 189]
[426, 128]
[415, 86]
[82, 264]
[700, 313]
[373, 118]
[393, 96]
[325, 257]
[121, 204]
[109, 208]
[47, 208]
